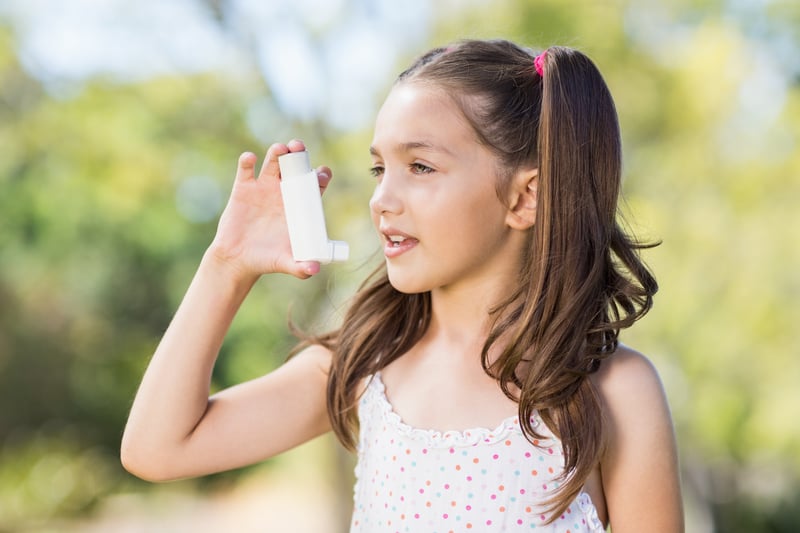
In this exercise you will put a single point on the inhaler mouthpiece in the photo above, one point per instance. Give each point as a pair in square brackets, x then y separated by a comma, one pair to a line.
[302, 204]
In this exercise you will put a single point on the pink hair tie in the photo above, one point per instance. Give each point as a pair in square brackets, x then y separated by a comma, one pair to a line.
[538, 62]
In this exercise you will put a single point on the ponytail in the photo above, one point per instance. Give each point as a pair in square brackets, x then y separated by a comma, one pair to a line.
[587, 281]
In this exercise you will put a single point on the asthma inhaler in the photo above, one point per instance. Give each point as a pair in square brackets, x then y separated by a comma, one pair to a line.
[302, 204]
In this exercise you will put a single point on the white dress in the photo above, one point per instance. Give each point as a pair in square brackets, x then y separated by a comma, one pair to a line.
[418, 480]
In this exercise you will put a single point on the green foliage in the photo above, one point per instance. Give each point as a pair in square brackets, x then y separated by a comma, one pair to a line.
[109, 198]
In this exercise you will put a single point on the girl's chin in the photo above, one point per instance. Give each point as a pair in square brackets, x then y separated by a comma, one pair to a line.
[407, 286]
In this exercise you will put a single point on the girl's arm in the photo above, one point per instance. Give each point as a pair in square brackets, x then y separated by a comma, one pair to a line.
[174, 429]
[640, 469]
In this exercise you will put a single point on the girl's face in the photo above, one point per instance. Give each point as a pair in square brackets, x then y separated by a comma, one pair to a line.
[435, 204]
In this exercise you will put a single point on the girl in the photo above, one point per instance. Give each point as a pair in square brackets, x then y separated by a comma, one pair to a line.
[478, 372]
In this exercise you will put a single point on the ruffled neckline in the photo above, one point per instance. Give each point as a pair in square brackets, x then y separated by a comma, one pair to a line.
[436, 438]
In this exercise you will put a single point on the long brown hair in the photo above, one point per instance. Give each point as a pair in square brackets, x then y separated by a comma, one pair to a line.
[582, 279]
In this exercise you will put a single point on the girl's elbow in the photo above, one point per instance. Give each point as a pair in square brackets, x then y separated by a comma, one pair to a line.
[143, 465]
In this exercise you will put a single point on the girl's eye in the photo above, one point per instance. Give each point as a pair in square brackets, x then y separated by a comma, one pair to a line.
[419, 168]
[376, 171]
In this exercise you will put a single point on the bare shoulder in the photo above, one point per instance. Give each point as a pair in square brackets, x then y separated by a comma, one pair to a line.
[628, 374]
[639, 469]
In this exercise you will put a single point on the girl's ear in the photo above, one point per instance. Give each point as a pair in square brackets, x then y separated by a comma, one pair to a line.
[522, 199]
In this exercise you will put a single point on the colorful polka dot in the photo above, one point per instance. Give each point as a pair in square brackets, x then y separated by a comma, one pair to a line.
[418, 480]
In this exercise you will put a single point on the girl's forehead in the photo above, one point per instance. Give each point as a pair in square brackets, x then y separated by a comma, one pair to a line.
[419, 112]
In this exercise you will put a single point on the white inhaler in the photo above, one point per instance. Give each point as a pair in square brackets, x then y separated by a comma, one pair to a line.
[302, 204]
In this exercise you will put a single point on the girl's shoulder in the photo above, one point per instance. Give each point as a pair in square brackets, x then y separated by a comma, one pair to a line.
[630, 389]
[626, 372]
[640, 464]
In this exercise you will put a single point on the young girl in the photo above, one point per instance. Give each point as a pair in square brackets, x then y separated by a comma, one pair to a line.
[478, 372]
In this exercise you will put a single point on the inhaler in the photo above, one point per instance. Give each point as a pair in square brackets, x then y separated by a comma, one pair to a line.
[302, 204]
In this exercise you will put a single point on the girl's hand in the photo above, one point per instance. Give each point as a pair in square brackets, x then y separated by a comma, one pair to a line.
[252, 236]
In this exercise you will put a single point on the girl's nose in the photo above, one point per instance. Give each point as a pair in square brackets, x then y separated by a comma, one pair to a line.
[385, 199]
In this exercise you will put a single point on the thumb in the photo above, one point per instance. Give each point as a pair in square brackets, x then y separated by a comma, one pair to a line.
[300, 269]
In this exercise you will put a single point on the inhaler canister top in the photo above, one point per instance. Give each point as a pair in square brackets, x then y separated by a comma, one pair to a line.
[294, 163]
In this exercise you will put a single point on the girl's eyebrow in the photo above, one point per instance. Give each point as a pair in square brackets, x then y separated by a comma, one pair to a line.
[415, 145]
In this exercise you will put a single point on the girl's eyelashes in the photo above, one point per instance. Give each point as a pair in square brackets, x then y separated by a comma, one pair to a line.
[419, 168]
[415, 168]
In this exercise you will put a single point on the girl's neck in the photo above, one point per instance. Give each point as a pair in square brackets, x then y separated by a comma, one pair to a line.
[462, 318]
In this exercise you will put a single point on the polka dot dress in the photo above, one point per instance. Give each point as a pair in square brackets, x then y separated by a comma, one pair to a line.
[416, 480]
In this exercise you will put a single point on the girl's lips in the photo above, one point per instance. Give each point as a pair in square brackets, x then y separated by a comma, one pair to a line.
[396, 242]
[392, 249]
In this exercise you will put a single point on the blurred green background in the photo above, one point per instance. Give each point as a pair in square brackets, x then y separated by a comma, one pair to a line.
[120, 126]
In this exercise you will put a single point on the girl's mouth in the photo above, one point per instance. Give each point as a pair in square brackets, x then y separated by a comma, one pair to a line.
[396, 244]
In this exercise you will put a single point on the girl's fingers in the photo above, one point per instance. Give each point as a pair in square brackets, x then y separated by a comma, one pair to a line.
[324, 176]
[296, 145]
[245, 170]
[270, 166]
